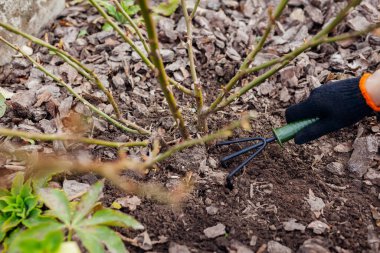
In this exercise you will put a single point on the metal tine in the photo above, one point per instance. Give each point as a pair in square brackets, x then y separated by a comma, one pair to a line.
[244, 150]
[244, 163]
[237, 141]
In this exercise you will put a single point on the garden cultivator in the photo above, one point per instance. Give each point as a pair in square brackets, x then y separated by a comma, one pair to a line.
[280, 135]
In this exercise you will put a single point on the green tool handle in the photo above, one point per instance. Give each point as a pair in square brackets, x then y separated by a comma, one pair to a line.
[289, 131]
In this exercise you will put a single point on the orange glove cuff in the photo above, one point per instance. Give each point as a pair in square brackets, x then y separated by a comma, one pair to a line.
[365, 94]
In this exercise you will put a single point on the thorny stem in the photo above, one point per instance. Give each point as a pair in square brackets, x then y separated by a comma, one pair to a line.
[132, 23]
[251, 56]
[71, 90]
[66, 137]
[197, 85]
[157, 61]
[223, 133]
[72, 61]
[283, 61]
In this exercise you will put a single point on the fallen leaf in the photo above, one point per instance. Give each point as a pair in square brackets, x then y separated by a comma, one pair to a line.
[129, 202]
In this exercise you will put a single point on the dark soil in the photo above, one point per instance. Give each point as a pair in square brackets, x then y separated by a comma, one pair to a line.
[274, 187]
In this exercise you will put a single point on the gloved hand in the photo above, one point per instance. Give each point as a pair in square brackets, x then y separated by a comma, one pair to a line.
[337, 104]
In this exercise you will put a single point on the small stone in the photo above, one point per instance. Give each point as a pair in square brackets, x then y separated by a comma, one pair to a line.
[208, 201]
[316, 203]
[365, 149]
[284, 95]
[213, 4]
[178, 248]
[276, 247]
[212, 163]
[359, 23]
[315, 14]
[73, 188]
[335, 168]
[212, 210]
[253, 241]
[373, 176]
[292, 225]
[298, 15]
[272, 227]
[233, 54]
[215, 231]
[318, 227]
[167, 55]
[314, 245]
[375, 129]
[240, 247]
[343, 147]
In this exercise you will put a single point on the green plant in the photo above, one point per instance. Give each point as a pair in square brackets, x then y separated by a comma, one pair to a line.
[81, 221]
[19, 207]
[130, 8]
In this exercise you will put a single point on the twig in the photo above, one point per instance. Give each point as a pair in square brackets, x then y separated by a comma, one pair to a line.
[192, 15]
[132, 23]
[283, 61]
[197, 85]
[65, 137]
[157, 60]
[251, 56]
[180, 87]
[72, 61]
[71, 90]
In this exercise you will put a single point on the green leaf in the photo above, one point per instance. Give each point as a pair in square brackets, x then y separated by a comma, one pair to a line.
[111, 217]
[10, 223]
[82, 33]
[107, 237]
[3, 106]
[166, 8]
[107, 27]
[4, 192]
[57, 201]
[46, 237]
[35, 218]
[90, 242]
[130, 7]
[88, 201]
[17, 183]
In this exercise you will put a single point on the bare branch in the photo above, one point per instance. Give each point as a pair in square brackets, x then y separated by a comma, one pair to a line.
[158, 63]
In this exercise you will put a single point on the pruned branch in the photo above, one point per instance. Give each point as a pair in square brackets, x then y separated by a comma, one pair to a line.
[67, 137]
[197, 86]
[69, 89]
[161, 73]
[251, 56]
[132, 23]
[72, 61]
[281, 62]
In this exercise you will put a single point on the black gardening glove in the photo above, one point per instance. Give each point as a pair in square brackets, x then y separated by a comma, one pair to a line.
[337, 104]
